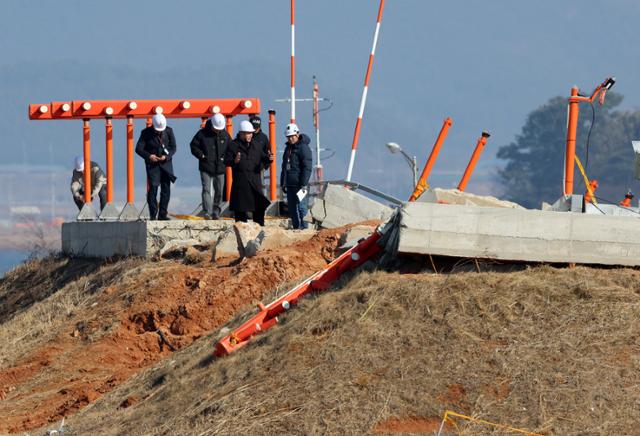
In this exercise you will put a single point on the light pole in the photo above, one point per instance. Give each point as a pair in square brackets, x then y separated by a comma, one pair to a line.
[411, 160]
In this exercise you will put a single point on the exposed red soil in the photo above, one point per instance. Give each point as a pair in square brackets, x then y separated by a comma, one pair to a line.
[413, 424]
[170, 306]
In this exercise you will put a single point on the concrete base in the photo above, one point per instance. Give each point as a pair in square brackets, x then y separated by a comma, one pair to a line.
[147, 238]
[87, 213]
[109, 213]
[521, 235]
[339, 206]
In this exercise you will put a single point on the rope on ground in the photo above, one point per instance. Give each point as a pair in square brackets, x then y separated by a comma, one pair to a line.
[448, 414]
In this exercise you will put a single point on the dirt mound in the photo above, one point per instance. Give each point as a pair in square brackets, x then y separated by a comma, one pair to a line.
[551, 351]
[76, 329]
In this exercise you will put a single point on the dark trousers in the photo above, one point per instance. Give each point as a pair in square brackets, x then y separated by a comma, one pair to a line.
[212, 187]
[297, 208]
[165, 195]
[102, 194]
[258, 216]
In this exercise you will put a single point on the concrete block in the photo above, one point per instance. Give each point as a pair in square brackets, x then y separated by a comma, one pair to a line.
[351, 237]
[512, 234]
[275, 237]
[249, 236]
[455, 196]
[340, 206]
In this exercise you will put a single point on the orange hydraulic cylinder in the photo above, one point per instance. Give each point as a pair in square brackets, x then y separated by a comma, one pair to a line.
[86, 148]
[130, 160]
[228, 172]
[474, 160]
[570, 153]
[273, 188]
[422, 183]
[109, 146]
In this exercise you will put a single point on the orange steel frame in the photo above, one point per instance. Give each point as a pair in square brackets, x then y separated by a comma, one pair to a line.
[145, 109]
[422, 182]
[572, 128]
[474, 160]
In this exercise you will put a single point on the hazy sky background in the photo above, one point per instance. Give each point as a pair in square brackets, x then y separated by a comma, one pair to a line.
[486, 64]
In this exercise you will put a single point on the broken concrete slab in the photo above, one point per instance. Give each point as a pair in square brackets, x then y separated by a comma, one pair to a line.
[520, 235]
[176, 248]
[249, 236]
[277, 237]
[351, 237]
[455, 196]
[339, 206]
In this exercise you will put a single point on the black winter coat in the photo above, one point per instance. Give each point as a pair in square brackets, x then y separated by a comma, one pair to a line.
[296, 164]
[263, 141]
[163, 144]
[208, 146]
[246, 189]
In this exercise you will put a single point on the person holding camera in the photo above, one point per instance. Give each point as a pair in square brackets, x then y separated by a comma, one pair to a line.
[295, 174]
[157, 145]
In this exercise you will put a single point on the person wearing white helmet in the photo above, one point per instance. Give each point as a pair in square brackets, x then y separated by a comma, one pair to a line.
[157, 145]
[98, 183]
[295, 174]
[246, 159]
[208, 146]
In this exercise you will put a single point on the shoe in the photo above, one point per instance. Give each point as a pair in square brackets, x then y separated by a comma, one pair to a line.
[164, 218]
[214, 217]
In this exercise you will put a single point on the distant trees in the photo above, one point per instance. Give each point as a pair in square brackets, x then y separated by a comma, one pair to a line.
[535, 160]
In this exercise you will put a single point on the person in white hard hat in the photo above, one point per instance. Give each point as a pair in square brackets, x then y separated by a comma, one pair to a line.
[246, 159]
[98, 183]
[294, 176]
[156, 146]
[209, 145]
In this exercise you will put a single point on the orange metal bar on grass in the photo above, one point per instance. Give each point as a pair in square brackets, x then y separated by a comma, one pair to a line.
[86, 147]
[422, 182]
[474, 160]
[130, 194]
[109, 146]
[228, 171]
[273, 189]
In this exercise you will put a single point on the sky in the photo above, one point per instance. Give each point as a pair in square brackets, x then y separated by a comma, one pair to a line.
[485, 64]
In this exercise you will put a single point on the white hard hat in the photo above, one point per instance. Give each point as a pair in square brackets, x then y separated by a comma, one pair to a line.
[79, 163]
[218, 121]
[291, 129]
[246, 126]
[159, 122]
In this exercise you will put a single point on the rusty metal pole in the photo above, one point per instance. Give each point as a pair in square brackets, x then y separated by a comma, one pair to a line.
[474, 160]
[572, 129]
[228, 172]
[86, 146]
[130, 160]
[109, 146]
[422, 182]
[273, 189]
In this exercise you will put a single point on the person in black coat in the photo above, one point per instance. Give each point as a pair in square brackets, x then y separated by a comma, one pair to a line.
[261, 139]
[295, 174]
[246, 160]
[156, 146]
[209, 146]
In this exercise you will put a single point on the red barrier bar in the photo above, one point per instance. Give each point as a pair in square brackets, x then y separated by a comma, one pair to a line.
[130, 193]
[120, 109]
[109, 146]
[474, 160]
[86, 147]
[273, 188]
[422, 183]
[228, 172]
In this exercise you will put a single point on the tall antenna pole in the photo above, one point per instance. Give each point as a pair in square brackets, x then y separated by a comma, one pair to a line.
[316, 125]
[293, 61]
[363, 101]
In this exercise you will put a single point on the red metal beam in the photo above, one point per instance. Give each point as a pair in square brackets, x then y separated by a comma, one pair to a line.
[121, 109]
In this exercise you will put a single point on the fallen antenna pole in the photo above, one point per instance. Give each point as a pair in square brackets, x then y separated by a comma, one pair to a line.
[363, 101]
[422, 183]
[474, 160]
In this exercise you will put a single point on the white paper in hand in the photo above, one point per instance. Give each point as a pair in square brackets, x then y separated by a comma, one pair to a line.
[301, 194]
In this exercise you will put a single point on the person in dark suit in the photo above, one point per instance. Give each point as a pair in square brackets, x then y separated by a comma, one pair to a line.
[156, 146]
[246, 159]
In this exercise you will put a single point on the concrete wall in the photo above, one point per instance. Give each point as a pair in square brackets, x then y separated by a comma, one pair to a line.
[510, 234]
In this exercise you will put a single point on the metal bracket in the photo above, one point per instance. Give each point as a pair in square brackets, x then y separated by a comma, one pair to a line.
[87, 213]
[144, 213]
[129, 213]
[109, 213]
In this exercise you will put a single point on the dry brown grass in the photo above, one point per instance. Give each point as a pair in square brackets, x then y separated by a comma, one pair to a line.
[40, 296]
[555, 351]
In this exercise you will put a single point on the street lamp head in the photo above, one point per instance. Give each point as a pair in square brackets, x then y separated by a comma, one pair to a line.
[393, 147]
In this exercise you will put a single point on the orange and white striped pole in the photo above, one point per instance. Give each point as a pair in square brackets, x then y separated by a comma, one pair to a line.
[293, 61]
[363, 101]
[316, 125]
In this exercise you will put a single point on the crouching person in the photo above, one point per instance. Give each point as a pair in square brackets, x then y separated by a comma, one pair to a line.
[246, 159]
[98, 183]
[295, 174]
